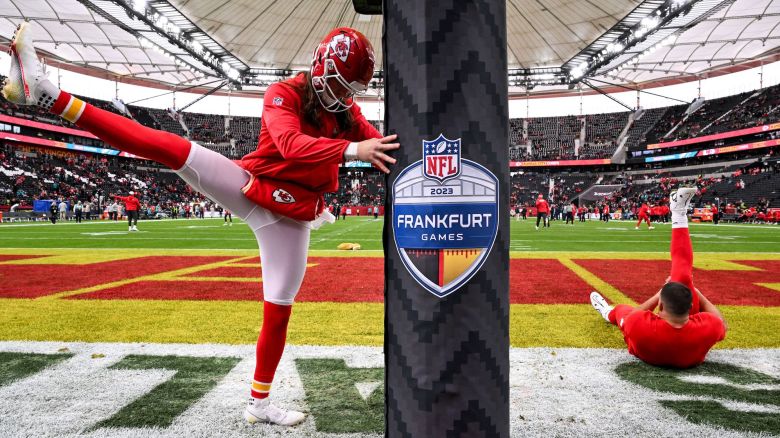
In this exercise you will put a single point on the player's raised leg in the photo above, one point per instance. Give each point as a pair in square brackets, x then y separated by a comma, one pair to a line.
[27, 84]
[680, 248]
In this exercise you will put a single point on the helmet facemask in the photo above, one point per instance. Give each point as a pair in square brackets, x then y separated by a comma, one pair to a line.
[325, 93]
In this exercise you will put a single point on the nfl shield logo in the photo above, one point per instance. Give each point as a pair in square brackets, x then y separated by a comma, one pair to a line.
[441, 158]
[445, 217]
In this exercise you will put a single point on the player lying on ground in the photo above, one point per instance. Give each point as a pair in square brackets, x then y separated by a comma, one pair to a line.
[687, 324]
[309, 127]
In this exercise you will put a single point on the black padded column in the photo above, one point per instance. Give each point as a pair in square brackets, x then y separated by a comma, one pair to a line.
[446, 235]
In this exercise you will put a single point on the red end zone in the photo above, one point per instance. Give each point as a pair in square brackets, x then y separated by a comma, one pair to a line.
[346, 279]
[639, 279]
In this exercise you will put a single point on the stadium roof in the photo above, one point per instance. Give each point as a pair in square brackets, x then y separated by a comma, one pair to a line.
[186, 42]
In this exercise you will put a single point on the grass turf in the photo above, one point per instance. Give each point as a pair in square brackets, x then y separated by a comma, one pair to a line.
[588, 237]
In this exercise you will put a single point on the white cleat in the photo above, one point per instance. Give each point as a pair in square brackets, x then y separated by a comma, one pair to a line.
[650, 228]
[636, 228]
[262, 411]
[600, 304]
[129, 228]
[26, 83]
[135, 228]
[680, 199]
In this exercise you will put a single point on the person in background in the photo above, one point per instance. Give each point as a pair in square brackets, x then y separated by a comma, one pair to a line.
[132, 205]
[63, 208]
[77, 210]
[228, 217]
[54, 212]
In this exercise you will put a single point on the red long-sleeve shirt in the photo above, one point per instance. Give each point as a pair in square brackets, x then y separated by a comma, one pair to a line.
[542, 206]
[290, 149]
[644, 210]
[131, 202]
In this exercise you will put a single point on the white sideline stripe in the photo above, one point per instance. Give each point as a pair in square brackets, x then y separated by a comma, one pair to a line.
[107, 222]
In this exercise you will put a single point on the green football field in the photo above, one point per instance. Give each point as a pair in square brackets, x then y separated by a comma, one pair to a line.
[114, 324]
[592, 236]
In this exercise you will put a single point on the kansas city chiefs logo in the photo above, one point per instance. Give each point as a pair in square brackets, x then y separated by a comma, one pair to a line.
[340, 45]
[283, 196]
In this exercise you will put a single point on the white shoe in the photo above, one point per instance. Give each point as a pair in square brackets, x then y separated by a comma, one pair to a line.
[680, 199]
[135, 228]
[129, 228]
[636, 228]
[261, 410]
[26, 83]
[600, 304]
[650, 228]
[225, 224]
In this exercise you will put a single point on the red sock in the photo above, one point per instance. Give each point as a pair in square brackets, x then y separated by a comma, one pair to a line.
[123, 133]
[682, 263]
[270, 346]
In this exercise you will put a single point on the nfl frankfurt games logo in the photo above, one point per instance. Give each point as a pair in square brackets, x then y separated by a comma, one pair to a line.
[445, 216]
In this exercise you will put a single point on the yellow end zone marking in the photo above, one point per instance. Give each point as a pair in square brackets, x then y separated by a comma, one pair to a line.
[775, 286]
[153, 277]
[256, 265]
[610, 292]
[708, 264]
[224, 279]
[192, 321]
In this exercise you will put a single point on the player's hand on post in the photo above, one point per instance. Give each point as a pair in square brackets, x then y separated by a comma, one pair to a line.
[373, 151]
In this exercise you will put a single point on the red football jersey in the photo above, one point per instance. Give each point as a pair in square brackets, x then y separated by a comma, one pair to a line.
[292, 150]
[644, 210]
[131, 202]
[542, 206]
[656, 342]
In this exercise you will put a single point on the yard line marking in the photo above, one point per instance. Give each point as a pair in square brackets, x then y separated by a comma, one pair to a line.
[606, 289]
[153, 277]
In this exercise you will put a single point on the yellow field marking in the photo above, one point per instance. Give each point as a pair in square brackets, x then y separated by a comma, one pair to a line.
[80, 258]
[230, 279]
[661, 255]
[153, 277]
[244, 265]
[610, 292]
[85, 254]
[708, 264]
[255, 265]
[190, 321]
[775, 286]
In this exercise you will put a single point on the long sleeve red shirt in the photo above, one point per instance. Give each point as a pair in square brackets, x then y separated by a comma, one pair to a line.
[131, 202]
[292, 150]
[542, 206]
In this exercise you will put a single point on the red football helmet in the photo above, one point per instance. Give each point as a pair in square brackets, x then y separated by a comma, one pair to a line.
[342, 66]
